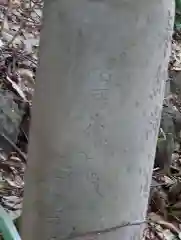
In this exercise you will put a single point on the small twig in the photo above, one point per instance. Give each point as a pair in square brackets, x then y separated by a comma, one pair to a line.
[26, 16]
[25, 135]
[163, 133]
[16, 87]
[23, 155]
[31, 60]
[37, 15]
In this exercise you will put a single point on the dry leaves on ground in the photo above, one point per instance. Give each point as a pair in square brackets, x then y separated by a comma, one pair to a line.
[19, 40]
[164, 211]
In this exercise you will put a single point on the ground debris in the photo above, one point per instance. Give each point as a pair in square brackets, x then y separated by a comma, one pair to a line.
[20, 22]
[165, 194]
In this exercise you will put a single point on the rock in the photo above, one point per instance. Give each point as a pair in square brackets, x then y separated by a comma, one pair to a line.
[175, 191]
[167, 119]
[10, 119]
[164, 150]
[175, 83]
[170, 120]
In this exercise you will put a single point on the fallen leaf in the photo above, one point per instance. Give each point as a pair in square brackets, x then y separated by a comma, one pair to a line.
[17, 89]
[17, 182]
